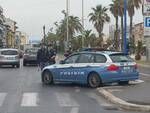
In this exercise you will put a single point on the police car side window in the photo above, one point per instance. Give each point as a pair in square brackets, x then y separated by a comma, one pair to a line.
[86, 58]
[71, 59]
[100, 59]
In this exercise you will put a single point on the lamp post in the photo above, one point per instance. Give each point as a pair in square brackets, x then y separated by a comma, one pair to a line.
[125, 27]
[67, 11]
[44, 34]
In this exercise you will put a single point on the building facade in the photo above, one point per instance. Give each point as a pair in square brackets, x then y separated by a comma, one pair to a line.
[11, 31]
[138, 32]
[2, 29]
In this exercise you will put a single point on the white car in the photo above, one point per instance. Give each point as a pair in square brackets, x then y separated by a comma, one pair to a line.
[9, 57]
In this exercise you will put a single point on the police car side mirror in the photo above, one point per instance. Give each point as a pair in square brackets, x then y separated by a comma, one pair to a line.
[62, 62]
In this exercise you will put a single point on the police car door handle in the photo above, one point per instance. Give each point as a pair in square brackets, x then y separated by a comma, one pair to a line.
[71, 67]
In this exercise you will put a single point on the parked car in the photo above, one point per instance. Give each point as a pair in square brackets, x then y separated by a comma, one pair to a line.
[93, 68]
[30, 56]
[9, 57]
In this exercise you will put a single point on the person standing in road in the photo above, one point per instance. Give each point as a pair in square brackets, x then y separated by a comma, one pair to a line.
[52, 55]
[42, 56]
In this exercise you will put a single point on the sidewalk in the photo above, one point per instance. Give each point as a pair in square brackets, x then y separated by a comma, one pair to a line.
[135, 96]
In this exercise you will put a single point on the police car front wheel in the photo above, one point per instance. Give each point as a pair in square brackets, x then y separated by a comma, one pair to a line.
[47, 78]
[94, 80]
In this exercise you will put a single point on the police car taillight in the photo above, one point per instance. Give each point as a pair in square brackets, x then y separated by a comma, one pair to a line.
[135, 66]
[113, 67]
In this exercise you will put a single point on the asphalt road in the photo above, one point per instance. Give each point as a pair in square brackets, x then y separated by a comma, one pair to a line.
[21, 91]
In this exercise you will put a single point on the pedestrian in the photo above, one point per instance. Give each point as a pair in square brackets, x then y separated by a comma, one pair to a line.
[42, 56]
[52, 55]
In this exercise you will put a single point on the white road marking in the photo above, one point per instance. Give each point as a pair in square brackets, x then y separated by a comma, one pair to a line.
[77, 90]
[115, 90]
[148, 75]
[65, 100]
[75, 110]
[136, 82]
[30, 100]
[112, 87]
[2, 98]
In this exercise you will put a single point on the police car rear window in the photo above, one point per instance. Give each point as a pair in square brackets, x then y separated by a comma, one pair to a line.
[121, 58]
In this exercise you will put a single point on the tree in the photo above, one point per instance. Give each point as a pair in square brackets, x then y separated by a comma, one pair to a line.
[99, 17]
[88, 37]
[114, 9]
[75, 26]
[131, 5]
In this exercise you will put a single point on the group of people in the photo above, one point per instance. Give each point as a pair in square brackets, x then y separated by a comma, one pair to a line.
[45, 56]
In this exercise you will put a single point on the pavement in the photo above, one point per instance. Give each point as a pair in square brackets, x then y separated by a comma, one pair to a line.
[21, 91]
[135, 96]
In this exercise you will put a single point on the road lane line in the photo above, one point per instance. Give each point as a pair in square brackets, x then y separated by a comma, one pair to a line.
[75, 110]
[65, 100]
[148, 75]
[29, 100]
[2, 98]
[136, 82]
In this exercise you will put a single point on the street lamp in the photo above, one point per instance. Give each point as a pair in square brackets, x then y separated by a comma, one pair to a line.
[125, 26]
[67, 9]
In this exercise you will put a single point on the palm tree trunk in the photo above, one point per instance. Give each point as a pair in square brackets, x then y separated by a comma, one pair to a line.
[116, 35]
[131, 37]
[122, 33]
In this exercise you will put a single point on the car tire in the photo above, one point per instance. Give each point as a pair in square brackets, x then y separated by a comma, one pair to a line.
[94, 80]
[18, 65]
[24, 63]
[123, 82]
[47, 78]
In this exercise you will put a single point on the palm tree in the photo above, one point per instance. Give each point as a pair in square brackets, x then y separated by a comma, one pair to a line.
[99, 17]
[131, 5]
[121, 14]
[114, 9]
[75, 26]
[88, 37]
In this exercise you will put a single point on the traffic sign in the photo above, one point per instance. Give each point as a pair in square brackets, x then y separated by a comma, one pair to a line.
[146, 2]
[146, 25]
[147, 21]
[146, 10]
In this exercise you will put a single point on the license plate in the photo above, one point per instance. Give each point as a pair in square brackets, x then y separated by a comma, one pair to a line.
[10, 58]
[127, 70]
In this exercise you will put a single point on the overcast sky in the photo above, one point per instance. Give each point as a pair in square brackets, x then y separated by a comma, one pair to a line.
[31, 15]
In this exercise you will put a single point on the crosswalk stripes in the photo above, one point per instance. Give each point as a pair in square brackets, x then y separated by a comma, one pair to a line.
[2, 98]
[29, 100]
[65, 100]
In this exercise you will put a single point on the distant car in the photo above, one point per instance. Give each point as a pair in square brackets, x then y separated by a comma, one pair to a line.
[9, 57]
[30, 56]
[92, 68]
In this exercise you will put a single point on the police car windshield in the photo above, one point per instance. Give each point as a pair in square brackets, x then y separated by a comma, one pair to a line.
[121, 58]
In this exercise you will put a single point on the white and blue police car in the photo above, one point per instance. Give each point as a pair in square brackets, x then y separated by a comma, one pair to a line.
[92, 68]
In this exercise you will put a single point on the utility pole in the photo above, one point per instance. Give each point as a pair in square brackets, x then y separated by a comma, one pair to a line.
[83, 23]
[125, 26]
[44, 34]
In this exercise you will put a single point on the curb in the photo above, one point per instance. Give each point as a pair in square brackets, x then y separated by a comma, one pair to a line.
[121, 103]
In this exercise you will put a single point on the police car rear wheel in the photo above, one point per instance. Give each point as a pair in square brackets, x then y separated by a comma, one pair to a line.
[94, 80]
[47, 78]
